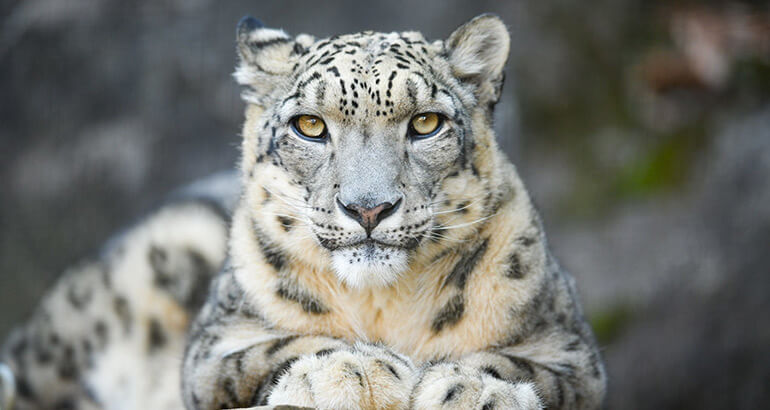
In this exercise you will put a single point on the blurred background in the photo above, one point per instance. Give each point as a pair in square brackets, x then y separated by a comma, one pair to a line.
[642, 129]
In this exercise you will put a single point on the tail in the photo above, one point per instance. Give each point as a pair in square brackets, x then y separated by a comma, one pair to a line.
[7, 387]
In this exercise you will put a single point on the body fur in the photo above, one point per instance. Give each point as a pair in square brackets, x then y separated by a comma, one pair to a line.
[478, 314]
[451, 301]
[111, 332]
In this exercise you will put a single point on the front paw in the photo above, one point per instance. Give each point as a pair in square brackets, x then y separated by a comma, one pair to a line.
[364, 377]
[454, 386]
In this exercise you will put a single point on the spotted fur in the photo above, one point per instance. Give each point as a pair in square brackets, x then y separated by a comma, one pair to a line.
[110, 334]
[452, 301]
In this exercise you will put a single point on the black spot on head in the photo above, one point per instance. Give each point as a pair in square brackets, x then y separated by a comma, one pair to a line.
[320, 95]
[298, 49]
[334, 71]
[256, 45]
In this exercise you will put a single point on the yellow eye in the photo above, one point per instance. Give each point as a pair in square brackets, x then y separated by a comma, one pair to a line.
[310, 126]
[426, 123]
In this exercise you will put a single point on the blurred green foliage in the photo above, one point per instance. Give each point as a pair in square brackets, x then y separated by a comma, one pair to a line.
[606, 91]
[609, 324]
[662, 166]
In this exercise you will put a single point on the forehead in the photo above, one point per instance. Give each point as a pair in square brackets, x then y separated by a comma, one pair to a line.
[369, 49]
[370, 76]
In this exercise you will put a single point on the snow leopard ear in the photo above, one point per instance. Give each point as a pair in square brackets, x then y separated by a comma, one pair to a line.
[477, 52]
[266, 58]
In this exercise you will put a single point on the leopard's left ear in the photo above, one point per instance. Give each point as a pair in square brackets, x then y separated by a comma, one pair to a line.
[477, 52]
[266, 58]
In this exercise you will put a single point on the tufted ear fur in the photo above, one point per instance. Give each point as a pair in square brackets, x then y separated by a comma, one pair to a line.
[477, 52]
[266, 57]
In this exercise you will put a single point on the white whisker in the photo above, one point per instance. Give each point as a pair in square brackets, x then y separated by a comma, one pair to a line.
[458, 209]
[286, 199]
[462, 225]
[303, 219]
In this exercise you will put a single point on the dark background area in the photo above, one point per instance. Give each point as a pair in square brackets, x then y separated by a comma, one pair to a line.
[642, 129]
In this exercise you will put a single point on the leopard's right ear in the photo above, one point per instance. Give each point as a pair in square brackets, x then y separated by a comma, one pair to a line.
[266, 58]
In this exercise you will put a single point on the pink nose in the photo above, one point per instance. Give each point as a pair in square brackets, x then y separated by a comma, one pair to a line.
[369, 218]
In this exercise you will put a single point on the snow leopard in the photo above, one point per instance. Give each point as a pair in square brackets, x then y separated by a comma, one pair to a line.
[379, 251]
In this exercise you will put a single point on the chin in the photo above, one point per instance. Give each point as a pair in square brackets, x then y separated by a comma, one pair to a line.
[369, 265]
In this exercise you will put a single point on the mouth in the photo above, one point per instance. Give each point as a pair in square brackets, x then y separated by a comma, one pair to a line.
[336, 244]
[371, 242]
